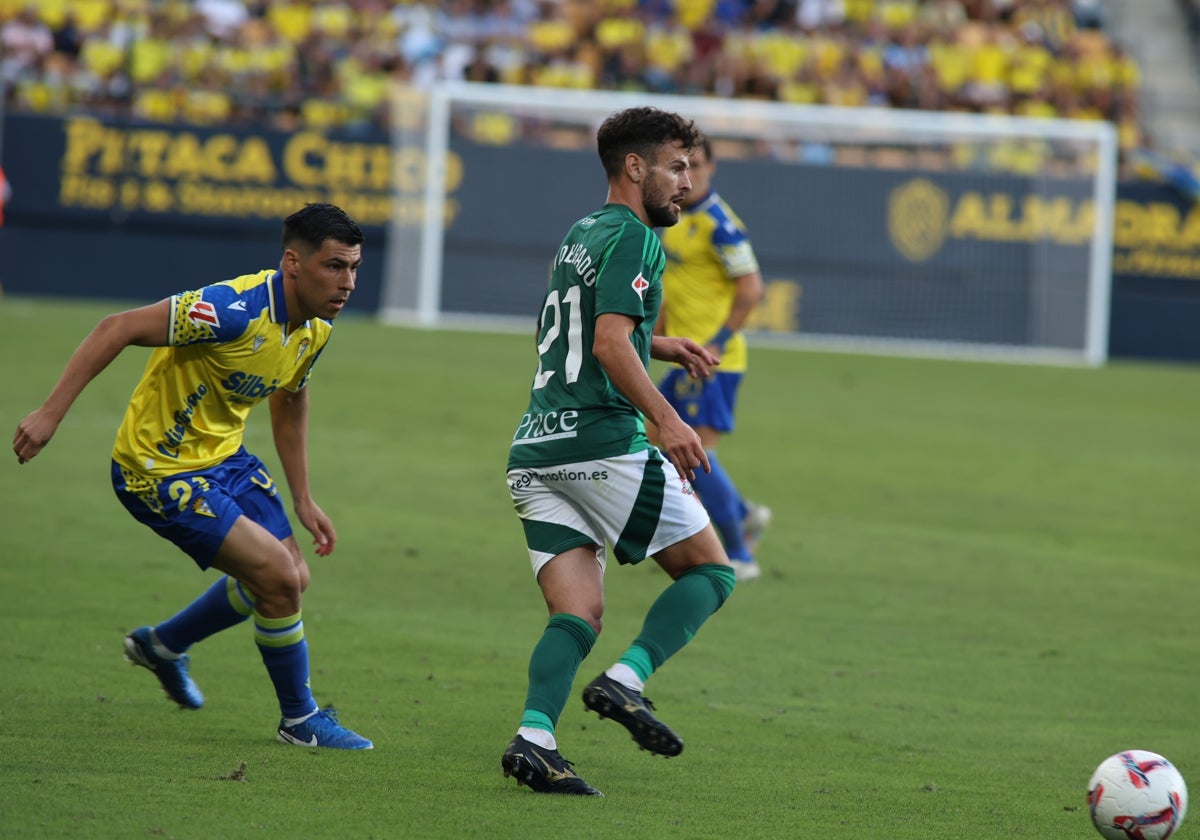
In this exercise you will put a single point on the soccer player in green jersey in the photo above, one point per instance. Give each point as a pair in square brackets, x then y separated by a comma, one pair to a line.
[180, 468]
[583, 475]
[710, 286]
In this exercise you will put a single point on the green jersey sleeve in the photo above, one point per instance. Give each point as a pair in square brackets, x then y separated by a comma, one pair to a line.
[630, 280]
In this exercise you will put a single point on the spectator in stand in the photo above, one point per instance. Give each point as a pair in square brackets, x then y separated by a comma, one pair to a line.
[943, 17]
[1029, 65]
[905, 62]
[480, 69]
[950, 66]
[68, 36]
[24, 43]
[222, 18]
[987, 84]
[820, 14]
[325, 65]
[1053, 17]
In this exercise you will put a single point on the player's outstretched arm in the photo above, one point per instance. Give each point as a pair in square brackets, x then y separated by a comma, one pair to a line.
[146, 326]
[289, 425]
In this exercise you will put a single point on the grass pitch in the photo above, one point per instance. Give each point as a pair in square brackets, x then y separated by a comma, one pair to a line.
[981, 580]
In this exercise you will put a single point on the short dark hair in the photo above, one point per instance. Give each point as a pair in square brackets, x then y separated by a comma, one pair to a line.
[313, 223]
[642, 131]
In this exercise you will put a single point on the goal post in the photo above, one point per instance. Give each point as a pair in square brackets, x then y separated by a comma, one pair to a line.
[877, 230]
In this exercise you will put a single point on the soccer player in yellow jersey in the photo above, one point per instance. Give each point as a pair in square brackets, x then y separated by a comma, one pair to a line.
[180, 468]
[710, 286]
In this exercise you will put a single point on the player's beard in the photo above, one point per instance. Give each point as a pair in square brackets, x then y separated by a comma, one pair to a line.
[659, 209]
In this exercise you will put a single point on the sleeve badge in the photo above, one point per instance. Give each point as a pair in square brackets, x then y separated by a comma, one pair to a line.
[640, 285]
[203, 313]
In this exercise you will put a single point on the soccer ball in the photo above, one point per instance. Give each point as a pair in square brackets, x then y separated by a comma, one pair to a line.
[1137, 795]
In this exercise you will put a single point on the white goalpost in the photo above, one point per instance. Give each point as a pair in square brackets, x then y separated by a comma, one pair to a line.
[878, 230]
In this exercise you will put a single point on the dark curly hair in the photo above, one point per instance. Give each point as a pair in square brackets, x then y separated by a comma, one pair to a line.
[642, 131]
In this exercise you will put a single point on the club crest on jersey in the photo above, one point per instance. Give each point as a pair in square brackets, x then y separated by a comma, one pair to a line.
[300, 350]
[640, 285]
[203, 313]
[200, 508]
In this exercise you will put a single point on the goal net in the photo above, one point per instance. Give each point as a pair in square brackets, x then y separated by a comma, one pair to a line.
[876, 230]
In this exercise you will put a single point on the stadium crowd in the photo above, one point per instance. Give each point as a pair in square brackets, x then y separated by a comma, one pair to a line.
[330, 63]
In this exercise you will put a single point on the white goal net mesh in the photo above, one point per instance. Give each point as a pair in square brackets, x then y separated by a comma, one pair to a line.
[880, 230]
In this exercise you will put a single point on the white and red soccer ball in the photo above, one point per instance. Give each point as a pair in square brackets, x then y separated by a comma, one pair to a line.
[1137, 795]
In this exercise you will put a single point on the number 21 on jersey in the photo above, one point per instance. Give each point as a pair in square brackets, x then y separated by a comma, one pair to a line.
[573, 361]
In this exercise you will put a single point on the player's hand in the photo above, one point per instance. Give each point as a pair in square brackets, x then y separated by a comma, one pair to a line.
[33, 433]
[682, 446]
[689, 355]
[319, 525]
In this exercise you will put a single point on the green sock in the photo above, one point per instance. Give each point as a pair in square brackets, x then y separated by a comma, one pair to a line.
[537, 720]
[677, 614]
[565, 643]
[638, 658]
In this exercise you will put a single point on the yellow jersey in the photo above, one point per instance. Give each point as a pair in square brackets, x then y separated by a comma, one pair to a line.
[707, 250]
[228, 349]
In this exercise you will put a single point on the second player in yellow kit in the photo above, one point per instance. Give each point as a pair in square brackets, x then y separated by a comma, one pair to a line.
[710, 286]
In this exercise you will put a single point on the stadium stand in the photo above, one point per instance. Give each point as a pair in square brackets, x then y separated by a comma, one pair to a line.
[1157, 32]
[325, 64]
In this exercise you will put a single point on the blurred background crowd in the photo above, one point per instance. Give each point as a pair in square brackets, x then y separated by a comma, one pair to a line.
[328, 64]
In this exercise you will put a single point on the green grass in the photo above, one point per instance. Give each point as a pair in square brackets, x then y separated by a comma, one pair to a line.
[980, 582]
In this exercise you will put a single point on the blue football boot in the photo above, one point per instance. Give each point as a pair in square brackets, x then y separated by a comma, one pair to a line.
[171, 673]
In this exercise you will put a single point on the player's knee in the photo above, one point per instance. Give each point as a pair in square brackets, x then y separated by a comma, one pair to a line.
[283, 583]
[298, 561]
[592, 615]
[592, 611]
[303, 573]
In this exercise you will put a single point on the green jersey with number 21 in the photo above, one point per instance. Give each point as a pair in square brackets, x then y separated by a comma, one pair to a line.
[609, 262]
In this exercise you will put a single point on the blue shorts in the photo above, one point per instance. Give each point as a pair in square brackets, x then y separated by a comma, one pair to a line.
[702, 402]
[195, 510]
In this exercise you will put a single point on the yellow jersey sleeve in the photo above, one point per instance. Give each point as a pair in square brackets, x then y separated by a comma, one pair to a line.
[706, 251]
[229, 348]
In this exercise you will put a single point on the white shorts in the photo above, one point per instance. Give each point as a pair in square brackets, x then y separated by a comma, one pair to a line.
[638, 504]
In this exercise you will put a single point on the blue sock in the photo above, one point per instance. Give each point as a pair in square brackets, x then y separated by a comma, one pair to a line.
[222, 605]
[285, 653]
[724, 505]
